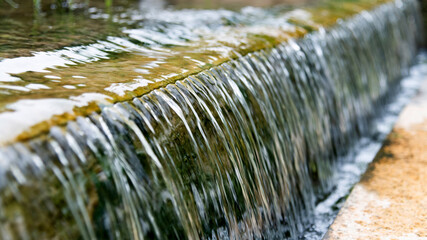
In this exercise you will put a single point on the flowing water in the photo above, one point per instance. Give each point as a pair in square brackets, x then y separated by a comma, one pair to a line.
[244, 149]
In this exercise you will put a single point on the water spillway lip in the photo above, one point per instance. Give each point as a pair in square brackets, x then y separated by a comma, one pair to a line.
[41, 91]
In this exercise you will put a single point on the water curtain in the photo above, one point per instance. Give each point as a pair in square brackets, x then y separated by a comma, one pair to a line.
[241, 150]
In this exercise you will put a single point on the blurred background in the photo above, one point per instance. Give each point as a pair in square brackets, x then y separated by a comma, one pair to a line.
[11, 5]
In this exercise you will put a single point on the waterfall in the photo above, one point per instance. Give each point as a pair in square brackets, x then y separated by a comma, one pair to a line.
[240, 150]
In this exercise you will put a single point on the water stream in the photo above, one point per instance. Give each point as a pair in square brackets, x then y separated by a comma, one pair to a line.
[244, 149]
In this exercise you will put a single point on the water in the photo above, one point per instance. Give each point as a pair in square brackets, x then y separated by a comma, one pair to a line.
[154, 49]
[239, 150]
[147, 49]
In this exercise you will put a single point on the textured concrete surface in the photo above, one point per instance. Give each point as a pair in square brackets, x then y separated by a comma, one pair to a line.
[390, 201]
